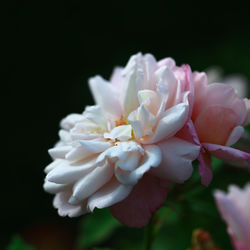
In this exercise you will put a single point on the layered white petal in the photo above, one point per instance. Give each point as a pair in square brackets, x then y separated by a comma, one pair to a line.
[177, 157]
[66, 209]
[54, 188]
[104, 95]
[109, 195]
[121, 133]
[60, 151]
[152, 158]
[134, 80]
[90, 183]
[173, 120]
[68, 173]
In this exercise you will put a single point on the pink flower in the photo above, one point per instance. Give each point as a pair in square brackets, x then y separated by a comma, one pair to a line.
[122, 153]
[216, 123]
[234, 209]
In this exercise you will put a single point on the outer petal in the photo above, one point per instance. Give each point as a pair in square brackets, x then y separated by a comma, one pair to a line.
[146, 197]
[67, 173]
[235, 135]
[205, 168]
[108, 195]
[69, 121]
[64, 208]
[90, 183]
[177, 157]
[231, 155]
[238, 226]
[54, 188]
[105, 97]
[247, 119]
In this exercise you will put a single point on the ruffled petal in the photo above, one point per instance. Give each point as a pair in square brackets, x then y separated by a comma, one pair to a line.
[134, 81]
[173, 120]
[121, 133]
[177, 157]
[54, 188]
[67, 173]
[90, 183]
[65, 209]
[152, 158]
[108, 195]
[69, 121]
[104, 95]
[146, 197]
[231, 155]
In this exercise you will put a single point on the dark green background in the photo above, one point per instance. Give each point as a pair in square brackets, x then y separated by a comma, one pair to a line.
[50, 52]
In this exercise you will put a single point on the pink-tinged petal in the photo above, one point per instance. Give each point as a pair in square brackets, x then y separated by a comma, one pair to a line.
[52, 165]
[235, 135]
[146, 197]
[205, 168]
[188, 133]
[69, 121]
[238, 226]
[231, 155]
[173, 120]
[54, 188]
[110, 194]
[134, 81]
[104, 95]
[150, 66]
[177, 157]
[78, 153]
[166, 81]
[116, 77]
[152, 158]
[121, 133]
[59, 152]
[189, 86]
[168, 62]
[67, 173]
[65, 209]
[95, 146]
[215, 124]
[225, 96]
[90, 183]
[95, 115]
[247, 119]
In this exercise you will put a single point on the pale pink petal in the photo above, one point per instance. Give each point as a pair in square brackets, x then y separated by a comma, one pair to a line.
[205, 168]
[70, 121]
[134, 81]
[121, 133]
[104, 95]
[60, 151]
[177, 157]
[173, 120]
[231, 155]
[146, 197]
[116, 77]
[247, 119]
[235, 135]
[65, 209]
[78, 153]
[95, 115]
[152, 158]
[238, 226]
[54, 188]
[52, 165]
[188, 133]
[67, 173]
[90, 183]
[150, 65]
[169, 62]
[95, 146]
[110, 194]
[215, 124]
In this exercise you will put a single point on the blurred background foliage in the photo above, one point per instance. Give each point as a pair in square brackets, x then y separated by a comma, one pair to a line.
[49, 52]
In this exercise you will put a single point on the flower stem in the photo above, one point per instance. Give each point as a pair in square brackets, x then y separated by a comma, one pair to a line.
[149, 237]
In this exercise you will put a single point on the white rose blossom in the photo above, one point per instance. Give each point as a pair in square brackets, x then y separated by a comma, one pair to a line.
[123, 152]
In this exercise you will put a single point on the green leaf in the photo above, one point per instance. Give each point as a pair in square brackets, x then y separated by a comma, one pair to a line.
[18, 244]
[96, 227]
